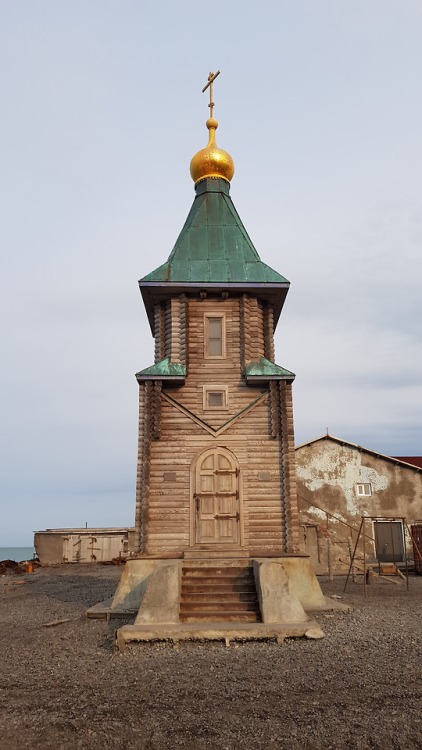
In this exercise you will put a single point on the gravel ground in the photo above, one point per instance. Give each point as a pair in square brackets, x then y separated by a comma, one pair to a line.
[64, 687]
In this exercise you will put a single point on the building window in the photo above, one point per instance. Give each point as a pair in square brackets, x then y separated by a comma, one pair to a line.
[215, 397]
[215, 335]
[364, 490]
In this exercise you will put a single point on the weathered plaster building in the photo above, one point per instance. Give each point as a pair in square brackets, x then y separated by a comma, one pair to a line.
[337, 483]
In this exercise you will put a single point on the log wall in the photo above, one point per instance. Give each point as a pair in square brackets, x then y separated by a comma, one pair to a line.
[170, 499]
[261, 436]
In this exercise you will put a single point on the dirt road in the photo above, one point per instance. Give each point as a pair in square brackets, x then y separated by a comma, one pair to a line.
[64, 687]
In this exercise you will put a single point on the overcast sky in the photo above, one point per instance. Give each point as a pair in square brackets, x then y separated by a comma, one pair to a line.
[319, 103]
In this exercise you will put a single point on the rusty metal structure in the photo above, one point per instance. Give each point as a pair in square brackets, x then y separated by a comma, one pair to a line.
[395, 554]
[416, 534]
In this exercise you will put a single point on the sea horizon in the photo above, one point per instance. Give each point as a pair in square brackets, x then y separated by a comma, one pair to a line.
[17, 553]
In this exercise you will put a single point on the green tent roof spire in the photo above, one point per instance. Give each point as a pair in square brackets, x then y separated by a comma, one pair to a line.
[214, 253]
[213, 245]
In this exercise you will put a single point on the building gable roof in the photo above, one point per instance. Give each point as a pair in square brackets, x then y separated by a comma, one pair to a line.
[359, 448]
[414, 460]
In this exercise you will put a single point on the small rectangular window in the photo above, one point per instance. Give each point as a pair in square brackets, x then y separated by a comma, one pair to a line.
[364, 489]
[214, 336]
[215, 397]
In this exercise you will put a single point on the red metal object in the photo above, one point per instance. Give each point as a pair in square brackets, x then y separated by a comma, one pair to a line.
[415, 460]
[416, 532]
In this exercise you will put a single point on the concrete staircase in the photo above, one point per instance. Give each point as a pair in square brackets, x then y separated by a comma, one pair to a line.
[218, 592]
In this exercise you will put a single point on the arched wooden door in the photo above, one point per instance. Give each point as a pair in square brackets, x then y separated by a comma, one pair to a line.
[216, 497]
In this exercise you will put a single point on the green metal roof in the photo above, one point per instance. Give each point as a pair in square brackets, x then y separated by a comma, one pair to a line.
[214, 246]
[164, 369]
[266, 370]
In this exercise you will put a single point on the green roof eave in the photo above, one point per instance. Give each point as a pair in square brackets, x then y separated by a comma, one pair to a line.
[264, 370]
[164, 370]
[215, 271]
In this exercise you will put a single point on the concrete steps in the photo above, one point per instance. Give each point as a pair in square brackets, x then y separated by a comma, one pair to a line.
[223, 593]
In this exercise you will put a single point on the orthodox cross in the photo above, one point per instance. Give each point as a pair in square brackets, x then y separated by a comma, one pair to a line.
[211, 78]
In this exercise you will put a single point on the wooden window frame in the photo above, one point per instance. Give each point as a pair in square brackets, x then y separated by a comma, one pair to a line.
[207, 354]
[206, 389]
[361, 486]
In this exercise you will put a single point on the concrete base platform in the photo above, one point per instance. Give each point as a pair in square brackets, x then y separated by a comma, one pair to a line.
[150, 590]
[215, 631]
[104, 611]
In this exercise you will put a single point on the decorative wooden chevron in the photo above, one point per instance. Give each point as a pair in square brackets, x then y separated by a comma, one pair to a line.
[225, 426]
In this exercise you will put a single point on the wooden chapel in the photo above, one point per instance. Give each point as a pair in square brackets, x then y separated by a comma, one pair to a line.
[216, 553]
[216, 465]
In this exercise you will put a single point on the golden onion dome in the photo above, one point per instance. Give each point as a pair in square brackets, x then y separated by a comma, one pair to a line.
[212, 161]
